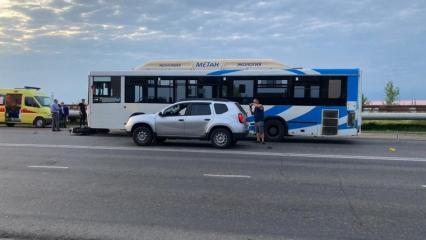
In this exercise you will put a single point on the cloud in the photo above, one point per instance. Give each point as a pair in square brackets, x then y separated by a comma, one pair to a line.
[27, 20]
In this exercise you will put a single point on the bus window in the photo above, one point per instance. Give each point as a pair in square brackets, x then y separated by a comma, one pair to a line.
[139, 90]
[165, 91]
[180, 89]
[224, 91]
[106, 89]
[272, 88]
[243, 90]
[299, 91]
[334, 88]
[315, 91]
[203, 88]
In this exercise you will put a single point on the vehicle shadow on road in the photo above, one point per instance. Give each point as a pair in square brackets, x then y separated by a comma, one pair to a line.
[318, 140]
[199, 144]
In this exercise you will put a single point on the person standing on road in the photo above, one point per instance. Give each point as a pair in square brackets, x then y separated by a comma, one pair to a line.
[83, 113]
[65, 113]
[55, 110]
[257, 111]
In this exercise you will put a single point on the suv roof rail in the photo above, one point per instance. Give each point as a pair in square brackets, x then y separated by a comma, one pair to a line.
[206, 99]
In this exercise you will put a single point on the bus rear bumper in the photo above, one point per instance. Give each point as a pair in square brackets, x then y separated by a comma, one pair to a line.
[348, 132]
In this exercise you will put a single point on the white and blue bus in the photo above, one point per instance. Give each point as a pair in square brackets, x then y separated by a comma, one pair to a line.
[298, 101]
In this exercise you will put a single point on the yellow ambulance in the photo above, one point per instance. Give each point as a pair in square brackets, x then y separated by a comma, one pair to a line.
[26, 105]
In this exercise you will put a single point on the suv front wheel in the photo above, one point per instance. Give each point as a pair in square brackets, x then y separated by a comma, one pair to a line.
[143, 136]
[221, 138]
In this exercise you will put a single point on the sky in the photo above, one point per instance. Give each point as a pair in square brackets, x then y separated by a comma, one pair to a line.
[54, 44]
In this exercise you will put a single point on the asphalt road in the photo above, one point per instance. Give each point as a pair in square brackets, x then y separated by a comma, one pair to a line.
[59, 186]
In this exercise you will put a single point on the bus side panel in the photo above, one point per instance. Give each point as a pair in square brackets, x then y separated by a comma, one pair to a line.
[352, 89]
[355, 98]
[305, 120]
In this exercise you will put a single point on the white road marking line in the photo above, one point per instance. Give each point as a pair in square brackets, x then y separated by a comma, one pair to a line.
[423, 186]
[223, 152]
[55, 167]
[226, 176]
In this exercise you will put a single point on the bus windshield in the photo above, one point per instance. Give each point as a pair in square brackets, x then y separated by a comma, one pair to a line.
[44, 101]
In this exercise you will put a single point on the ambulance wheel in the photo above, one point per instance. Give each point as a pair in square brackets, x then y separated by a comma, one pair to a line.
[39, 122]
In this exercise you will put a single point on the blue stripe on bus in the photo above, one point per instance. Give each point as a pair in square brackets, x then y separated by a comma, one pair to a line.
[313, 115]
[273, 111]
[222, 72]
[337, 71]
[308, 119]
[295, 71]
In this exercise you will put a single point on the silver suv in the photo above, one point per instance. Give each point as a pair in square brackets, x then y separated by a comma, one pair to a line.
[220, 121]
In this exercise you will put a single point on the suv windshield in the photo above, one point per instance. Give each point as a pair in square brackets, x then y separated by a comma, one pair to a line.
[176, 110]
[44, 101]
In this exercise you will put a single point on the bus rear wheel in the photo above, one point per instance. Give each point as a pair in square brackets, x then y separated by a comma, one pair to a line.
[10, 124]
[274, 130]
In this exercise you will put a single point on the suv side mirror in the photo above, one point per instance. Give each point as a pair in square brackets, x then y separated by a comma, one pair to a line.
[161, 114]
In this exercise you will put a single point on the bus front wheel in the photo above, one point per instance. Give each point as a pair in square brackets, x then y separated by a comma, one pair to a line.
[274, 130]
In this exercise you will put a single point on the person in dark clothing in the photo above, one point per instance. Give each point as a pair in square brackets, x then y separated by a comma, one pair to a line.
[83, 113]
[257, 111]
[65, 113]
[61, 114]
[55, 110]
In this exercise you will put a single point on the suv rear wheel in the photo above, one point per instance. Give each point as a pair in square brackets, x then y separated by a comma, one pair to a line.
[221, 138]
[143, 136]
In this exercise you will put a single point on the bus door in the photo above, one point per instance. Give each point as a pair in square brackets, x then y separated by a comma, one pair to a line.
[29, 110]
[106, 107]
[13, 108]
[2, 108]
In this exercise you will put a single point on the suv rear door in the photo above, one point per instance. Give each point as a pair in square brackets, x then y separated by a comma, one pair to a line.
[198, 119]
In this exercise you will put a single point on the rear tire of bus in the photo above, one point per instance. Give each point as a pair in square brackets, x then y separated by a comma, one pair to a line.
[143, 136]
[39, 122]
[10, 124]
[274, 130]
